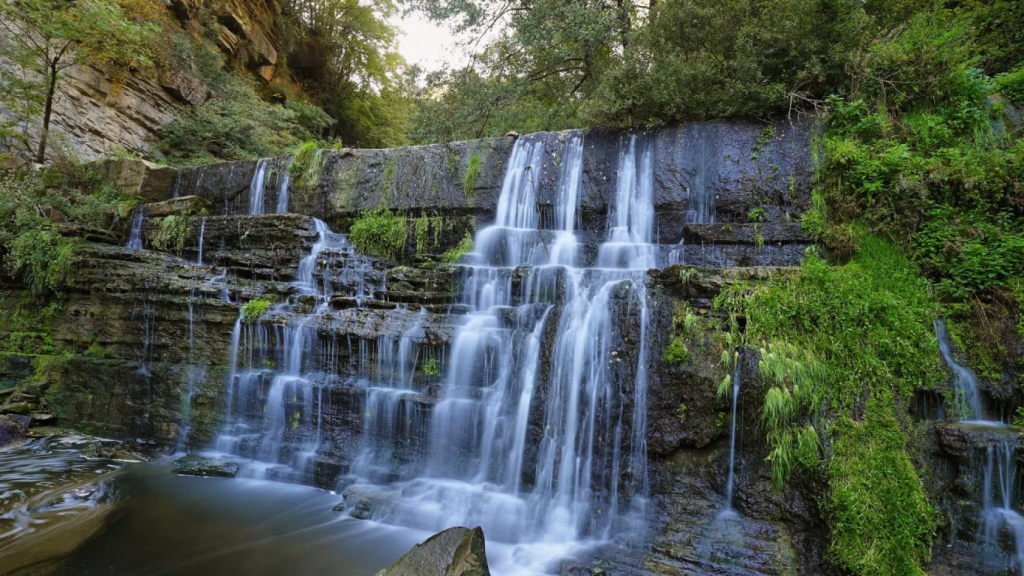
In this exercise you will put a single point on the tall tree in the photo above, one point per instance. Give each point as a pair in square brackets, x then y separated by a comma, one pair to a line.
[43, 38]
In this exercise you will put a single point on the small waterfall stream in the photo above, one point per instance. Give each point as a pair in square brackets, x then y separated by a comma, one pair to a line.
[135, 237]
[256, 187]
[728, 511]
[1000, 468]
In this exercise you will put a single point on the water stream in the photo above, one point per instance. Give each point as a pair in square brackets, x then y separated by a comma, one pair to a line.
[1000, 468]
[475, 447]
[135, 237]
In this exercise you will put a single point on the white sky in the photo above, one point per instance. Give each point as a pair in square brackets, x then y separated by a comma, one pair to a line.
[428, 44]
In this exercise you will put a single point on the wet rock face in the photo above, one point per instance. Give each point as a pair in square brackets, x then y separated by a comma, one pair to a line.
[12, 429]
[452, 552]
[195, 465]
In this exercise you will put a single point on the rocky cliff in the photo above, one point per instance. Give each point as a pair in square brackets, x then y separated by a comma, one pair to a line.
[96, 118]
[149, 343]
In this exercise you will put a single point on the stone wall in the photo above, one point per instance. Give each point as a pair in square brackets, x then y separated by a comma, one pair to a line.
[95, 119]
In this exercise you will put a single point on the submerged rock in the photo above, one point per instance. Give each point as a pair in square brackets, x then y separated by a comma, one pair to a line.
[195, 465]
[12, 429]
[115, 450]
[453, 552]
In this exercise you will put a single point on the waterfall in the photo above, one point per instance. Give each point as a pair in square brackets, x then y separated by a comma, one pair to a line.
[965, 383]
[135, 237]
[256, 187]
[701, 196]
[536, 429]
[283, 179]
[1001, 469]
[589, 467]
[202, 232]
[728, 511]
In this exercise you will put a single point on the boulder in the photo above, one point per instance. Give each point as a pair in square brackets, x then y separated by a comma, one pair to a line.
[140, 179]
[195, 465]
[456, 551]
[12, 429]
[114, 450]
[180, 205]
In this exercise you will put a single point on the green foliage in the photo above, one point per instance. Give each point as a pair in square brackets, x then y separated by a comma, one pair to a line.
[255, 308]
[756, 215]
[380, 232]
[432, 367]
[352, 68]
[31, 328]
[308, 163]
[472, 173]
[454, 254]
[173, 233]
[42, 38]
[422, 228]
[676, 352]
[37, 221]
[681, 413]
[236, 124]
[834, 339]
[45, 259]
[881, 521]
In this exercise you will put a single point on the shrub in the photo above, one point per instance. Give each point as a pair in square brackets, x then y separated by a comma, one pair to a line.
[255, 308]
[380, 232]
[454, 254]
[237, 125]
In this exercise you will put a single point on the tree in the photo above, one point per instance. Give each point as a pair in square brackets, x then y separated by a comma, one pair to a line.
[347, 57]
[43, 38]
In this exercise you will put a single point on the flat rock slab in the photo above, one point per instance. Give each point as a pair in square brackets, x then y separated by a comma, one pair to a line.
[453, 552]
[193, 465]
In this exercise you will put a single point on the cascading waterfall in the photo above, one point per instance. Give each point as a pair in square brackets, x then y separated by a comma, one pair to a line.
[256, 187]
[135, 237]
[965, 383]
[591, 457]
[283, 180]
[542, 479]
[278, 370]
[1000, 467]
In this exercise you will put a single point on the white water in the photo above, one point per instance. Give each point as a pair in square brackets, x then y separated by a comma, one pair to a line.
[202, 232]
[135, 237]
[728, 511]
[256, 187]
[283, 180]
[543, 480]
[701, 195]
[999, 515]
[965, 383]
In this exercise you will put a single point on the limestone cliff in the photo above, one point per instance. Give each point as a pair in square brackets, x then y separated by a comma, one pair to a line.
[97, 119]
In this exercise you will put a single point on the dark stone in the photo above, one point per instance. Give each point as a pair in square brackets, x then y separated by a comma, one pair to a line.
[453, 552]
[115, 450]
[12, 429]
[195, 465]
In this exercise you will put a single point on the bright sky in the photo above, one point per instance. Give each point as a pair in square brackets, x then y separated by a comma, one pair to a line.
[428, 44]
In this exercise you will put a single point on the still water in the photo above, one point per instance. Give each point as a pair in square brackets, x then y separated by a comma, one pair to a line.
[141, 519]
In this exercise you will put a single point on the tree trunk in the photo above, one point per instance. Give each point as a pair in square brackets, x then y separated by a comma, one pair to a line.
[47, 112]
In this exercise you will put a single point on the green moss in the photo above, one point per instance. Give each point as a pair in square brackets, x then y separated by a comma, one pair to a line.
[431, 367]
[472, 173]
[676, 352]
[681, 413]
[380, 232]
[832, 340]
[173, 233]
[881, 521]
[308, 163]
[255, 308]
[454, 254]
